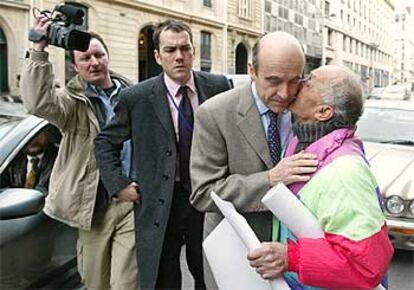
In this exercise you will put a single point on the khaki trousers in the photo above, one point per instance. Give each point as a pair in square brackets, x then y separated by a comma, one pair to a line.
[106, 253]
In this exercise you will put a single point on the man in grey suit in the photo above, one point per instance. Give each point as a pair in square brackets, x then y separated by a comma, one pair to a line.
[239, 137]
[157, 115]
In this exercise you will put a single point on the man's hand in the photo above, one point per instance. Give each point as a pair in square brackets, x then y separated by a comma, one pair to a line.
[41, 26]
[295, 168]
[270, 260]
[130, 193]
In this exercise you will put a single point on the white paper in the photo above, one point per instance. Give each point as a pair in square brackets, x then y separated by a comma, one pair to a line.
[227, 257]
[238, 222]
[237, 254]
[290, 211]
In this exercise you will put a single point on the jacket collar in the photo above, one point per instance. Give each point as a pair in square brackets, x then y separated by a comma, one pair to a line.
[250, 124]
[204, 87]
[78, 88]
[158, 98]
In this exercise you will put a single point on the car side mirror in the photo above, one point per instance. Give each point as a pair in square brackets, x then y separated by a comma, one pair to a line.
[20, 202]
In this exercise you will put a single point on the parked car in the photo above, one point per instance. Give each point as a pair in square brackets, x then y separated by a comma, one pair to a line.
[387, 128]
[36, 251]
[238, 80]
[396, 92]
[376, 93]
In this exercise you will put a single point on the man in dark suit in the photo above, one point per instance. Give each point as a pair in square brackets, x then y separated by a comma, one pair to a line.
[32, 169]
[157, 115]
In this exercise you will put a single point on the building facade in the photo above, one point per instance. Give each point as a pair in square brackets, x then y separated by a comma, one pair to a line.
[244, 26]
[224, 32]
[14, 20]
[359, 35]
[404, 44]
[300, 18]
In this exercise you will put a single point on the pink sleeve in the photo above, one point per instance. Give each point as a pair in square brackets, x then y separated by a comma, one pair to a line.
[338, 262]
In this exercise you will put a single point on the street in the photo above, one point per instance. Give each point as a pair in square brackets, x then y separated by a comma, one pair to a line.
[401, 273]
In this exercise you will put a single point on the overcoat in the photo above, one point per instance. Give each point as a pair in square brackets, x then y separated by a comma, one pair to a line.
[143, 114]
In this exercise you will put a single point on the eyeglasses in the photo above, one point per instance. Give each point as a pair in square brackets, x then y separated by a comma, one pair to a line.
[305, 80]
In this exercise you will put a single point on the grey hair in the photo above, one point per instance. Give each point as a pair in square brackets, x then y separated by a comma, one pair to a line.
[345, 94]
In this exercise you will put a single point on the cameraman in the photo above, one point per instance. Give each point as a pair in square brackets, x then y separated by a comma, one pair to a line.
[106, 244]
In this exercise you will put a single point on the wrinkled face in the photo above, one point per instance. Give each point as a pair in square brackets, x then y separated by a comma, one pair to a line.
[38, 144]
[277, 80]
[92, 65]
[175, 55]
[309, 106]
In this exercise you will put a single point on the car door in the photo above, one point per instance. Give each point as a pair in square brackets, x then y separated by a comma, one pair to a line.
[36, 251]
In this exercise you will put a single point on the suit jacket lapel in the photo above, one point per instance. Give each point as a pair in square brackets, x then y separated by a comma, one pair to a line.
[160, 104]
[250, 125]
[204, 87]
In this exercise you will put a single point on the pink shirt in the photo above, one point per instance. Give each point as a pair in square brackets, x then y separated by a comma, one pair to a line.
[175, 97]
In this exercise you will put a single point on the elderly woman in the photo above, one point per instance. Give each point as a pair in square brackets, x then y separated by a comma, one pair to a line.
[343, 195]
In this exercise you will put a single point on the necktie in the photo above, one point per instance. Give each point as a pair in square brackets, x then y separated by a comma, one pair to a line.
[273, 138]
[185, 132]
[32, 174]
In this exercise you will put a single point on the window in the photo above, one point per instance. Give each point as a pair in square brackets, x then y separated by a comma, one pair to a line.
[299, 19]
[4, 87]
[344, 43]
[207, 3]
[245, 7]
[268, 7]
[205, 51]
[283, 12]
[327, 8]
[311, 24]
[330, 37]
[268, 22]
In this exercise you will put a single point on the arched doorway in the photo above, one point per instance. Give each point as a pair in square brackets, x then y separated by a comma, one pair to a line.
[4, 79]
[241, 59]
[147, 65]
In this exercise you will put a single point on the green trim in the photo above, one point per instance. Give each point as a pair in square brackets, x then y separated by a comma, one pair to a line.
[343, 197]
[275, 229]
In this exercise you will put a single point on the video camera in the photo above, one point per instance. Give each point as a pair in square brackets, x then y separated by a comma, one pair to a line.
[66, 30]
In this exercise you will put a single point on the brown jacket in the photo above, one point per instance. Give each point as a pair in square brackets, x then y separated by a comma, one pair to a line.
[74, 180]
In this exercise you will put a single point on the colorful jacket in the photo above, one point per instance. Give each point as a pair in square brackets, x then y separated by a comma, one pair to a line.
[344, 197]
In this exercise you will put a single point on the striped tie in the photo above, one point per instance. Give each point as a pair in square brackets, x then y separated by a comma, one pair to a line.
[31, 176]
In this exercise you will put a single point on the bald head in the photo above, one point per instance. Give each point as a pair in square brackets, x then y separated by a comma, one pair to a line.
[337, 80]
[281, 47]
[343, 89]
[276, 69]
[331, 93]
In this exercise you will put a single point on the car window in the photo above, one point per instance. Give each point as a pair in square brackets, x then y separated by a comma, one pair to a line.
[32, 166]
[386, 125]
[7, 123]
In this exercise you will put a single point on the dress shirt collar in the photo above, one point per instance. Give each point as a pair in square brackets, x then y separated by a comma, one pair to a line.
[30, 157]
[173, 86]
